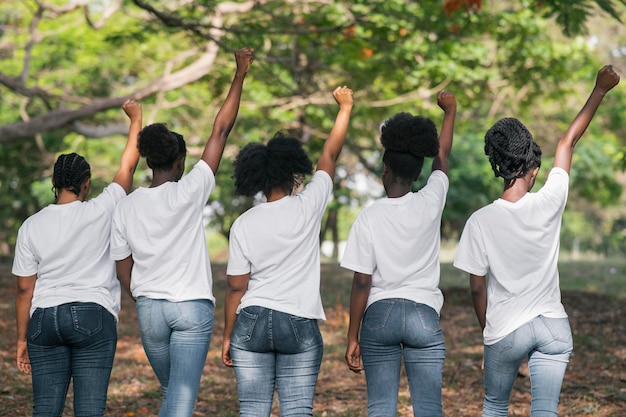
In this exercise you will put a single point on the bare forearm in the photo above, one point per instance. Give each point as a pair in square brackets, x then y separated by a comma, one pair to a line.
[233, 299]
[479, 298]
[361, 285]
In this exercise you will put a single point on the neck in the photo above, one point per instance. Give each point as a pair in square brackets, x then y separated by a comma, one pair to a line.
[65, 197]
[161, 177]
[275, 195]
[397, 190]
[517, 190]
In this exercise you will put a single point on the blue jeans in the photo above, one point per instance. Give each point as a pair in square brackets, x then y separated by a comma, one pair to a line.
[548, 344]
[272, 348]
[393, 328]
[176, 337]
[71, 341]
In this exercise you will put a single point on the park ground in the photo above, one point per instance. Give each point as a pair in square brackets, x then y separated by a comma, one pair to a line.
[594, 294]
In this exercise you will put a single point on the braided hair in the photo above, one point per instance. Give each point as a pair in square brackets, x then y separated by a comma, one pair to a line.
[160, 146]
[407, 140]
[70, 171]
[282, 163]
[511, 150]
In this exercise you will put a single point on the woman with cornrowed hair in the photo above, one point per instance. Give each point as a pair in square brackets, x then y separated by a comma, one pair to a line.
[273, 303]
[68, 295]
[393, 249]
[158, 240]
[515, 241]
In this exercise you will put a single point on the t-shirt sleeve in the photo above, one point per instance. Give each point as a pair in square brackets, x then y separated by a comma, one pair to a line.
[556, 188]
[358, 255]
[471, 255]
[238, 263]
[109, 197]
[25, 262]
[318, 191]
[119, 248]
[198, 184]
[436, 187]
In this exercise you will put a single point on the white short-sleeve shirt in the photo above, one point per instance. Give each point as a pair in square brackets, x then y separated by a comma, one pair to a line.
[517, 246]
[397, 241]
[278, 244]
[162, 229]
[67, 247]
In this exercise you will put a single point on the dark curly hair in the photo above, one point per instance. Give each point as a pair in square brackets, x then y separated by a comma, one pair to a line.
[160, 146]
[70, 171]
[282, 163]
[511, 150]
[407, 140]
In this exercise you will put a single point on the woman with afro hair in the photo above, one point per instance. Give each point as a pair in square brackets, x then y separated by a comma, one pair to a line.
[159, 243]
[68, 297]
[271, 335]
[393, 249]
[515, 241]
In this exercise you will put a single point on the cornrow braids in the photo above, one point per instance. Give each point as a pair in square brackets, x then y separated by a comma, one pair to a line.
[282, 163]
[70, 171]
[511, 150]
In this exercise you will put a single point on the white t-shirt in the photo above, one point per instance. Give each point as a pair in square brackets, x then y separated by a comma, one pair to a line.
[397, 240]
[278, 244]
[162, 229]
[67, 247]
[517, 245]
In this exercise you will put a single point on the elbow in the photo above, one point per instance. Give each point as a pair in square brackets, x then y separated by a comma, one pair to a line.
[362, 282]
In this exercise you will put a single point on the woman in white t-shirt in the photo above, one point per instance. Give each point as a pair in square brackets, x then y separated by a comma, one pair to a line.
[158, 241]
[271, 336]
[68, 296]
[393, 249]
[515, 241]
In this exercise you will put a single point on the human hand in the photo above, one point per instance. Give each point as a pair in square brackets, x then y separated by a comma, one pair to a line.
[607, 78]
[23, 362]
[353, 356]
[244, 58]
[446, 101]
[132, 109]
[343, 96]
[228, 361]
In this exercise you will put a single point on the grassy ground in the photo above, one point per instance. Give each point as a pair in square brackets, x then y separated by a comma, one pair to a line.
[594, 294]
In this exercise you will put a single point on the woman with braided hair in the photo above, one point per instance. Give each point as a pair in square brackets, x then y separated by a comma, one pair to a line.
[271, 335]
[515, 241]
[68, 295]
[393, 249]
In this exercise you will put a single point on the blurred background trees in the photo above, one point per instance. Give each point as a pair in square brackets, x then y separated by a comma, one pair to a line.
[67, 66]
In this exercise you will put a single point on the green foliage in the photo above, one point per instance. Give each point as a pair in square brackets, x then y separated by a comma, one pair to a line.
[499, 60]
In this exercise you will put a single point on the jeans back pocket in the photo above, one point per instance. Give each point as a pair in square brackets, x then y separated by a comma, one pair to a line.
[87, 318]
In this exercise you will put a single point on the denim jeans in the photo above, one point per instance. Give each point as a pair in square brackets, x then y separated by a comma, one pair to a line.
[270, 348]
[391, 329]
[71, 341]
[176, 337]
[548, 344]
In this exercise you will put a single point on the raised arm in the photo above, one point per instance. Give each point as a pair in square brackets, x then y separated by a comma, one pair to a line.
[447, 102]
[226, 116]
[130, 155]
[607, 79]
[334, 143]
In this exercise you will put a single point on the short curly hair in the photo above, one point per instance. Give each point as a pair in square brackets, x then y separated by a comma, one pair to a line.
[511, 150]
[407, 140]
[160, 146]
[282, 163]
